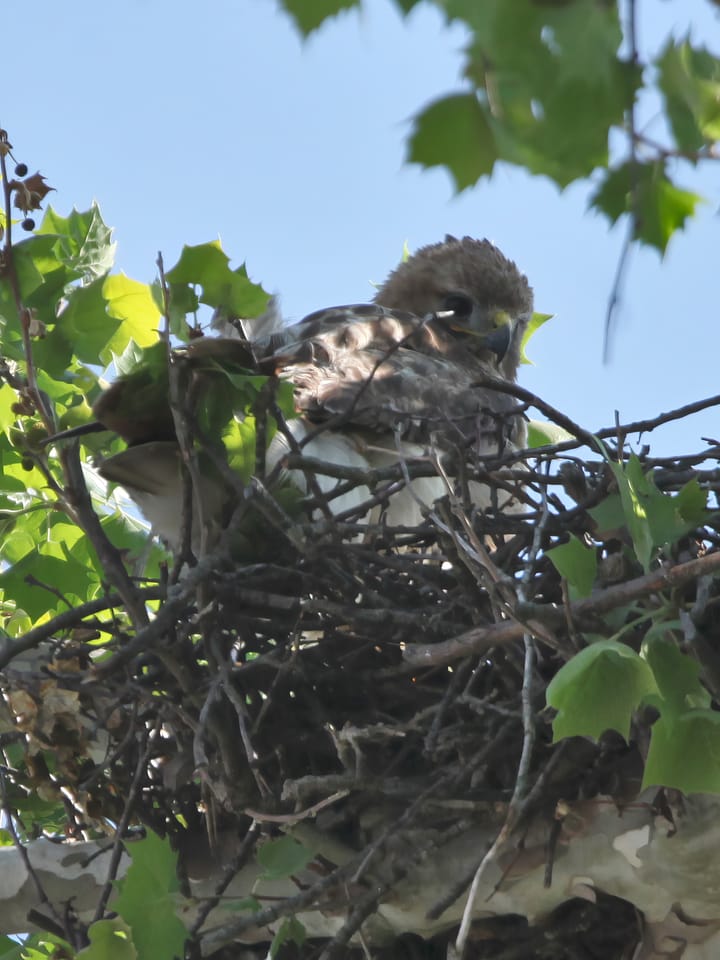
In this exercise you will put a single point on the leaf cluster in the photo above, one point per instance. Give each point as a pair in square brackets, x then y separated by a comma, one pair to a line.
[550, 86]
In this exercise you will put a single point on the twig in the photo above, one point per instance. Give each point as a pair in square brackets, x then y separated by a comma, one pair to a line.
[233, 695]
[634, 224]
[64, 621]
[178, 598]
[123, 823]
[76, 495]
[614, 298]
[298, 815]
[520, 788]
[479, 639]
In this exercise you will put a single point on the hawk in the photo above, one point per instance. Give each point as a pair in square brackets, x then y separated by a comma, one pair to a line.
[373, 385]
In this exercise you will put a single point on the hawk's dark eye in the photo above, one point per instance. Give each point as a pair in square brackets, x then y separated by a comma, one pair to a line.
[461, 305]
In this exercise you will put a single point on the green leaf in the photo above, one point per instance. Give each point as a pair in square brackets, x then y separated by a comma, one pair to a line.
[42, 277]
[84, 240]
[283, 857]
[653, 518]
[109, 940]
[289, 930]
[87, 323]
[685, 753]
[38, 261]
[598, 690]
[7, 399]
[29, 582]
[239, 439]
[537, 66]
[634, 493]
[577, 563]
[147, 891]
[689, 78]
[310, 14]
[676, 674]
[660, 208]
[54, 353]
[454, 132]
[45, 946]
[407, 5]
[691, 503]
[10, 949]
[134, 304]
[609, 516]
[133, 355]
[208, 266]
[541, 433]
[536, 321]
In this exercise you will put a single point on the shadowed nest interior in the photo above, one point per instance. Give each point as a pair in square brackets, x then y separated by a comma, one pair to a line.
[375, 677]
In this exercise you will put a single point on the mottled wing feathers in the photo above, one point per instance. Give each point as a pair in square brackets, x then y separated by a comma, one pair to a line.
[348, 329]
[378, 369]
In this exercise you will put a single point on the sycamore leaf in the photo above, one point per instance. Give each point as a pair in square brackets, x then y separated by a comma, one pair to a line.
[208, 266]
[653, 518]
[454, 132]
[598, 690]
[132, 303]
[283, 857]
[689, 78]
[685, 752]
[87, 323]
[148, 889]
[109, 940]
[84, 240]
[289, 930]
[24, 581]
[310, 14]
[634, 492]
[577, 563]
[609, 516]
[537, 66]
[43, 946]
[10, 949]
[536, 321]
[238, 437]
[542, 433]
[691, 503]
[676, 674]
[660, 207]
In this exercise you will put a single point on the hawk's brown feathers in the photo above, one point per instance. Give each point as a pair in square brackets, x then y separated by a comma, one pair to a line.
[378, 383]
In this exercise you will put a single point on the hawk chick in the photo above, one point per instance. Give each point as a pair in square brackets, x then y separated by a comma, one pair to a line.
[373, 384]
[405, 374]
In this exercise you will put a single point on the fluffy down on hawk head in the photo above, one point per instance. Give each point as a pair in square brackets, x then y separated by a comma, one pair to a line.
[373, 384]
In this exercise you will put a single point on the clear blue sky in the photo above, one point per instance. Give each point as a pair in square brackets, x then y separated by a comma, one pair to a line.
[189, 121]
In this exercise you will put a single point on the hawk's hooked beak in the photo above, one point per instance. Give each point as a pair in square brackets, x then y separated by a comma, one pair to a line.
[496, 340]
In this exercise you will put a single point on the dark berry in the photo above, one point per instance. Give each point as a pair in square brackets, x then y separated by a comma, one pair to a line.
[28, 223]
[27, 464]
[21, 170]
[36, 435]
